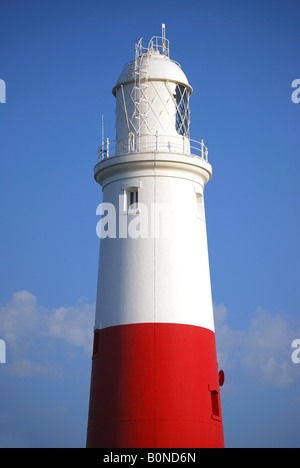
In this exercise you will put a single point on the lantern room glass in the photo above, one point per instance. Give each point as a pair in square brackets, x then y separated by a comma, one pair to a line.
[182, 110]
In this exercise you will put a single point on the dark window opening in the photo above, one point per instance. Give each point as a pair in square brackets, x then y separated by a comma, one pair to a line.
[133, 200]
[96, 343]
[215, 403]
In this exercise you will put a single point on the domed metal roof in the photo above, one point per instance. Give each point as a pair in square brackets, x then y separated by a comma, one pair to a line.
[159, 68]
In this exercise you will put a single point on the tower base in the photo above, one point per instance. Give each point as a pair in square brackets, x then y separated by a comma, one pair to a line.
[155, 385]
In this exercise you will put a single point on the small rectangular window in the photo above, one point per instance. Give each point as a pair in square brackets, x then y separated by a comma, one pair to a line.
[130, 195]
[200, 205]
[215, 403]
[96, 343]
[133, 196]
[131, 200]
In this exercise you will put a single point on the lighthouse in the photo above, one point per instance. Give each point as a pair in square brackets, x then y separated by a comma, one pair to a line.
[155, 381]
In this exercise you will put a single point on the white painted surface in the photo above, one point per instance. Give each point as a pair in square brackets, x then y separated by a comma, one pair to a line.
[163, 276]
[161, 68]
[164, 279]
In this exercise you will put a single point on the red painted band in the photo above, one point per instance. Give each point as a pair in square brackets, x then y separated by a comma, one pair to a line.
[155, 385]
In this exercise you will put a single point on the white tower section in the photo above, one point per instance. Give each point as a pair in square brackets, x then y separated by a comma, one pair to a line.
[156, 268]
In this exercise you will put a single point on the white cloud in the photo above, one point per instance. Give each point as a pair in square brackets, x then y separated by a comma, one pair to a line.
[18, 317]
[23, 322]
[263, 351]
[28, 368]
[74, 325]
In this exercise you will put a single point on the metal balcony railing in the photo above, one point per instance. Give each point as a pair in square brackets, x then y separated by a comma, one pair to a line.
[152, 143]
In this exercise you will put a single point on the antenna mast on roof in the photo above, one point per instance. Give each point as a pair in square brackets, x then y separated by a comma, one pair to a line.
[163, 27]
[102, 132]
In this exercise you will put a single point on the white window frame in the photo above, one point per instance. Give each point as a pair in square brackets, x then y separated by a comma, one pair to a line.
[200, 212]
[129, 188]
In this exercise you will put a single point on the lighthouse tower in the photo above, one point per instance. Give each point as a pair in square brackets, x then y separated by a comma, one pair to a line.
[155, 380]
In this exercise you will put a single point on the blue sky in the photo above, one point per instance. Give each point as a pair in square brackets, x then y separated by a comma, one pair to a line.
[60, 61]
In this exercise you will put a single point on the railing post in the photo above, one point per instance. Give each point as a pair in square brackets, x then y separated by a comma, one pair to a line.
[202, 145]
[130, 142]
[107, 147]
[206, 154]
